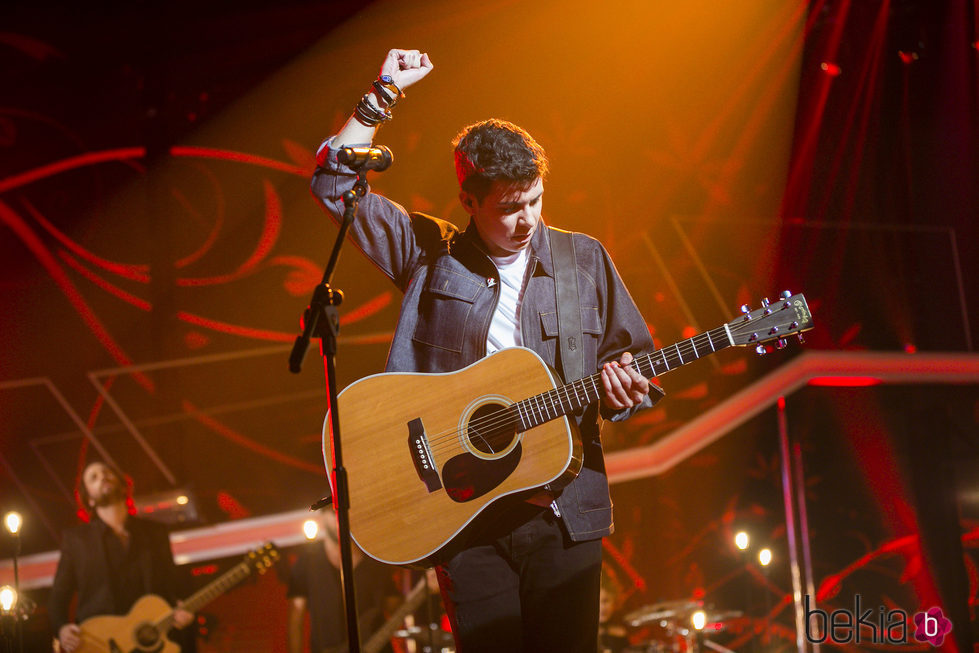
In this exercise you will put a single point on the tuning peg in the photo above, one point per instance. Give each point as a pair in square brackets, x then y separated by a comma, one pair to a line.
[773, 331]
[765, 302]
[760, 350]
[786, 294]
[780, 343]
[801, 339]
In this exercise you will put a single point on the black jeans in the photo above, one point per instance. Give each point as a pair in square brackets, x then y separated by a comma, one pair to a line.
[531, 590]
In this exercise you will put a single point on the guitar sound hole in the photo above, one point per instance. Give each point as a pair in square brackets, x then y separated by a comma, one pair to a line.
[491, 428]
[147, 635]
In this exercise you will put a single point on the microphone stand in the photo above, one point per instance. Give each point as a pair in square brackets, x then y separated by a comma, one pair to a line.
[321, 320]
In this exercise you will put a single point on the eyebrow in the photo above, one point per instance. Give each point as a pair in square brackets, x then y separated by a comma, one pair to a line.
[530, 201]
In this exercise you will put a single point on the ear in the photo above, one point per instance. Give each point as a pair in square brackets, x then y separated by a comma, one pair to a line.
[468, 201]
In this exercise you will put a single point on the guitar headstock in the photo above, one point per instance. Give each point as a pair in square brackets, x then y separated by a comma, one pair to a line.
[262, 558]
[774, 321]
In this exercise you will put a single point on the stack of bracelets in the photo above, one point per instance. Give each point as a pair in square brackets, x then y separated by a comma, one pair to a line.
[385, 88]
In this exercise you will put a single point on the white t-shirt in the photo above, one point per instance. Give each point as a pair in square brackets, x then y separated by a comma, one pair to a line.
[504, 329]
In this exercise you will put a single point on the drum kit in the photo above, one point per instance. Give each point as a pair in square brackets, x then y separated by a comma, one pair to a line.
[430, 639]
[669, 627]
[665, 627]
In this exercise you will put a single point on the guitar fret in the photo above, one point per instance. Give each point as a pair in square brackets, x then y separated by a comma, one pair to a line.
[570, 397]
[643, 361]
[537, 407]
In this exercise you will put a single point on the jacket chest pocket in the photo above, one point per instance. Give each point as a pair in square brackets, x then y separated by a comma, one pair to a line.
[445, 309]
[591, 330]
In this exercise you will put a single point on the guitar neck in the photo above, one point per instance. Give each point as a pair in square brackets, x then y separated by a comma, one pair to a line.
[211, 591]
[566, 399]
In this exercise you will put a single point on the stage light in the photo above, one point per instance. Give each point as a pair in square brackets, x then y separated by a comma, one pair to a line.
[830, 69]
[741, 540]
[12, 521]
[765, 557]
[310, 529]
[182, 500]
[844, 381]
[8, 598]
[699, 619]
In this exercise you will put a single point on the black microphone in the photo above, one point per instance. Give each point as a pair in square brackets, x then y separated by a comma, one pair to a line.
[366, 158]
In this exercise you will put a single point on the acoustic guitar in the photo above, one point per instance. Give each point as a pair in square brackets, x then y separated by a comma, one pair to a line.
[426, 453]
[144, 629]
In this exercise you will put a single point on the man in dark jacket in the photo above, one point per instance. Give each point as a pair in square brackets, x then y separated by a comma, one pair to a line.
[528, 578]
[111, 561]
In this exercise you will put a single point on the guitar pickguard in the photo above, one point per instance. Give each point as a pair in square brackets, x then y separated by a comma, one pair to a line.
[467, 477]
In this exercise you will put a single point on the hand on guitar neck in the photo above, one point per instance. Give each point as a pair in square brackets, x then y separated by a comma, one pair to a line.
[624, 386]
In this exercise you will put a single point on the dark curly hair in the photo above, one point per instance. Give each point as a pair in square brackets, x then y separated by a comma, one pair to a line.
[496, 150]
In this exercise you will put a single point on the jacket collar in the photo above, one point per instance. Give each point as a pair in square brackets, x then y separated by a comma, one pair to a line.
[540, 246]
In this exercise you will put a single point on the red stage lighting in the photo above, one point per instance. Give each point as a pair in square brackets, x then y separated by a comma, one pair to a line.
[907, 57]
[830, 69]
[844, 381]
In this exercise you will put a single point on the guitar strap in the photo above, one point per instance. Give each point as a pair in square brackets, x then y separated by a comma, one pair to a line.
[568, 304]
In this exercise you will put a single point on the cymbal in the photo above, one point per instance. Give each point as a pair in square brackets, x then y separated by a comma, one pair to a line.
[661, 610]
[727, 615]
[718, 621]
[433, 635]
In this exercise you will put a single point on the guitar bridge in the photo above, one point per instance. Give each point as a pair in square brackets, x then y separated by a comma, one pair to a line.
[421, 455]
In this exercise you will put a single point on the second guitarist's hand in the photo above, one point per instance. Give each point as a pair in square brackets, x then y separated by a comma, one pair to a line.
[182, 618]
[624, 386]
[70, 637]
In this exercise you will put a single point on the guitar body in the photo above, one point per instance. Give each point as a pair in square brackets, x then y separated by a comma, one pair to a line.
[426, 453]
[132, 633]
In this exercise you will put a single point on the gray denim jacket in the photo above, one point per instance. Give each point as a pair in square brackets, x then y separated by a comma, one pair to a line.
[450, 292]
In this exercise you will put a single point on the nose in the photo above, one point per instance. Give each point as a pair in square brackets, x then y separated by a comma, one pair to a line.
[526, 217]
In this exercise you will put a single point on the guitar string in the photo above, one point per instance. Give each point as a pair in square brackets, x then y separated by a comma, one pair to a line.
[448, 439]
